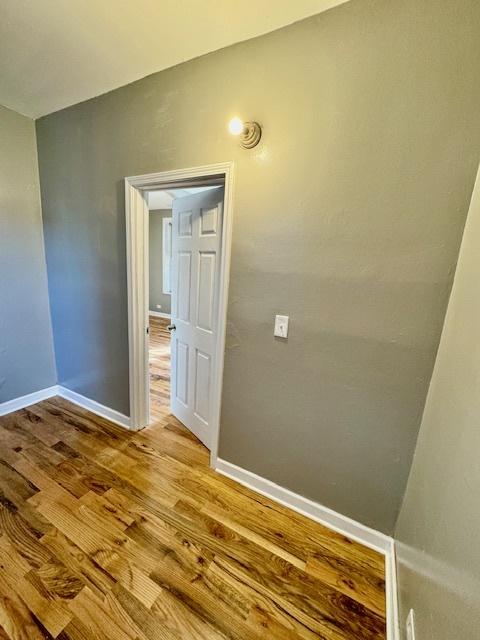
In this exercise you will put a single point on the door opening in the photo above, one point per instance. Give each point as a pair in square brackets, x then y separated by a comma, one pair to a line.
[185, 230]
[178, 242]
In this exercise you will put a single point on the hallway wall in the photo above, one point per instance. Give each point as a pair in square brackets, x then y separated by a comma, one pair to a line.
[155, 254]
[347, 217]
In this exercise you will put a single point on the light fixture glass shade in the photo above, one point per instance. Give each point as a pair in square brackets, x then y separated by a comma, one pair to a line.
[236, 126]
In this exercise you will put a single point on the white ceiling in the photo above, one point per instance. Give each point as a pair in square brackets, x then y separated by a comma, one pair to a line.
[164, 199]
[54, 53]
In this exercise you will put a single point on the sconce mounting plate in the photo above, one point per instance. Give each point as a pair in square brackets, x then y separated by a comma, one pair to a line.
[251, 135]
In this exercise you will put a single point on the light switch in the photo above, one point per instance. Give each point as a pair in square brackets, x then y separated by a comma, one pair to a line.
[281, 326]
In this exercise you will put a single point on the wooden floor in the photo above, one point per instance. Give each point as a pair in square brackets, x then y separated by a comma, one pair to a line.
[110, 534]
[159, 362]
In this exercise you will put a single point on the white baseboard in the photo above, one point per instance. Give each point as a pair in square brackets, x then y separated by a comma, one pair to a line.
[159, 314]
[25, 401]
[336, 521]
[95, 407]
[342, 524]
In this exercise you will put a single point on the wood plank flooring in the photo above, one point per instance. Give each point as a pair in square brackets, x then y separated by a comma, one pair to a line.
[110, 534]
[159, 363]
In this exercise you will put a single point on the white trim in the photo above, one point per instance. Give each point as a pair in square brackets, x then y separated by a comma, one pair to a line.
[159, 314]
[25, 401]
[94, 407]
[136, 211]
[391, 593]
[342, 524]
[226, 254]
[137, 275]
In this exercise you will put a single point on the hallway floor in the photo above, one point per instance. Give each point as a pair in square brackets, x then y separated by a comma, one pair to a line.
[111, 534]
[159, 362]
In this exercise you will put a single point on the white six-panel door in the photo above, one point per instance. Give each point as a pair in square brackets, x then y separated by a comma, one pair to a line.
[196, 244]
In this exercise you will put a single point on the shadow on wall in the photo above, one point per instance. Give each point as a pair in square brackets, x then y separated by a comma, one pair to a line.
[439, 524]
[27, 362]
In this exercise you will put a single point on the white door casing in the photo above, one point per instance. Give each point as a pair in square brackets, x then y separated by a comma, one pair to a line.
[196, 252]
[136, 218]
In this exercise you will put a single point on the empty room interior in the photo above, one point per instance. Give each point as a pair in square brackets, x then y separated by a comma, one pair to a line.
[239, 312]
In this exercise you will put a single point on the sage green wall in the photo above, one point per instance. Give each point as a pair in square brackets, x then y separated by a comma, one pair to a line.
[155, 237]
[439, 524]
[27, 363]
[348, 217]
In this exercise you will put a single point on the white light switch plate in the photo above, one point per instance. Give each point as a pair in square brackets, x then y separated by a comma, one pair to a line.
[411, 625]
[281, 327]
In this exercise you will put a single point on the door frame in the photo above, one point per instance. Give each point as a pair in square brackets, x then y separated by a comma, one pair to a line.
[136, 213]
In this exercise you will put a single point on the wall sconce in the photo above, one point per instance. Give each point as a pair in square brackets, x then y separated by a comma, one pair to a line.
[249, 132]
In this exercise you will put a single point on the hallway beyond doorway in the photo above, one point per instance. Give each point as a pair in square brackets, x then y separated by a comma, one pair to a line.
[159, 363]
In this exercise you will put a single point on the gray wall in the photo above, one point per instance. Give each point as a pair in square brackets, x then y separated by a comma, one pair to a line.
[348, 217]
[27, 362]
[438, 552]
[156, 261]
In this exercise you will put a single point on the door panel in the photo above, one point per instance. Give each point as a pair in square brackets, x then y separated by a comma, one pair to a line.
[202, 386]
[184, 282]
[208, 221]
[196, 244]
[185, 224]
[206, 290]
[181, 373]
